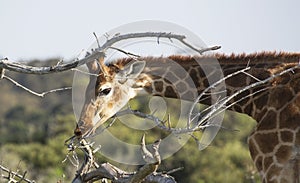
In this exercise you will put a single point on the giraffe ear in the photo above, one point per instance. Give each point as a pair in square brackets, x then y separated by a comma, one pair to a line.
[131, 71]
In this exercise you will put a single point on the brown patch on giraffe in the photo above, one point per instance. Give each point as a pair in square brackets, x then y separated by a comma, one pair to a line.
[235, 81]
[266, 142]
[279, 96]
[268, 122]
[205, 82]
[195, 78]
[283, 154]
[237, 108]
[249, 108]
[267, 162]
[243, 95]
[286, 136]
[171, 92]
[261, 101]
[290, 117]
[159, 86]
[149, 89]
[260, 73]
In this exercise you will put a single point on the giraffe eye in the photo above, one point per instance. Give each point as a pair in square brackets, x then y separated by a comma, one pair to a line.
[104, 92]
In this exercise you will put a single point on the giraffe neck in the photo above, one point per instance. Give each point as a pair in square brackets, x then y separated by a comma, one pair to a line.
[275, 143]
[183, 77]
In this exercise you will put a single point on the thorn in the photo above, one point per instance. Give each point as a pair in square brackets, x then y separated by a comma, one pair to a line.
[97, 39]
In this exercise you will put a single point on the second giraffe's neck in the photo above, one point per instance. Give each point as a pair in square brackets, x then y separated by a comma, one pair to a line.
[183, 77]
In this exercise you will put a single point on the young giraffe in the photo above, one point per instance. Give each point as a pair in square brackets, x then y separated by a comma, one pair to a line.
[275, 143]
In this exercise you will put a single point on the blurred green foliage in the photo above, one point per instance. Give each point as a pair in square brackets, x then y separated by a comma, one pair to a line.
[33, 131]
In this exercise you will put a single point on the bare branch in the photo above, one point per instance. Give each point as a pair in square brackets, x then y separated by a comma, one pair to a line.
[175, 170]
[12, 174]
[157, 35]
[209, 88]
[220, 105]
[152, 159]
[96, 54]
[22, 68]
[90, 171]
[33, 92]
[125, 52]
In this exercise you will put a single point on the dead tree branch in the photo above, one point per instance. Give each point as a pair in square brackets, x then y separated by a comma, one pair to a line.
[90, 171]
[13, 176]
[95, 54]
[33, 92]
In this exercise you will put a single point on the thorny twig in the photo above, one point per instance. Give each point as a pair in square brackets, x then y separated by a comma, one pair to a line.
[12, 174]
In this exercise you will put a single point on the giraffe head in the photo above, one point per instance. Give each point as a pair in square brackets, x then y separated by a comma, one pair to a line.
[109, 89]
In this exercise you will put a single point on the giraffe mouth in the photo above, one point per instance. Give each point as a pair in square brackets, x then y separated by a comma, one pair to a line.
[82, 128]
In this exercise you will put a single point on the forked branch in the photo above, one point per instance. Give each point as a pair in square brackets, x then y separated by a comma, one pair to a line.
[13, 176]
[98, 53]
[90, 171]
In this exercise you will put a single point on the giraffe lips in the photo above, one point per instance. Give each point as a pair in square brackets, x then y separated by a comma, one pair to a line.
[82, 128]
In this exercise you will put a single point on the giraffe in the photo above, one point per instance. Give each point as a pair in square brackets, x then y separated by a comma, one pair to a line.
[275, 142]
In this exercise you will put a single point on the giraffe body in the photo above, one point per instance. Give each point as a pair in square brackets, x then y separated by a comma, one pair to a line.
[275, 142]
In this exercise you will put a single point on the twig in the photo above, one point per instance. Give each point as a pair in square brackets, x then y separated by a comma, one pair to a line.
[223, 103]
[174, 170]
[11, 173]
[97, 39]
[153, 161]
[209, 88]
[33, 92]
[125, 52]
[84, 72]
[107, 171]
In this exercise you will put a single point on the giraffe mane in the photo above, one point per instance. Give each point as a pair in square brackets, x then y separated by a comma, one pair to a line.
[264, 57]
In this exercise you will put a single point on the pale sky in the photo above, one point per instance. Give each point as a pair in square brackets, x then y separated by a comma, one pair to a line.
[61, 28]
